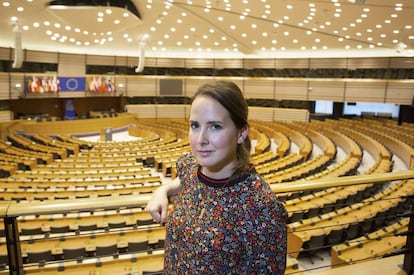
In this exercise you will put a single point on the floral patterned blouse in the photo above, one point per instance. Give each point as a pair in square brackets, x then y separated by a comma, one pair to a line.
[224, 227]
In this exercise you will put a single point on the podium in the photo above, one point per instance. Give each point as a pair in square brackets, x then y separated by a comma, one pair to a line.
[106, 134]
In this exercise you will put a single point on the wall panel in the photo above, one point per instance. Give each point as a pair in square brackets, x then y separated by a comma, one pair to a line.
[142, 110]
[191, 85]
[328, 63]
[42, 57]
[326, 90]
[171, 62]
[121, 84]
[6, 116]
[365, 91]
[401, 62]
[261, 113]
[400, 93]
[149, 61]
[269, 63]
[71, 65]
[263, 88]
[171, 111]
[121, 61]
[291, 89]
[367, 63]
[141, 86]
[17, 86]
[132, 61]
[232, 63]
[68, 58]
[283, 114]
[298, 63]
[106, 60]
[5, 53]
[4, 86]
[199, 63]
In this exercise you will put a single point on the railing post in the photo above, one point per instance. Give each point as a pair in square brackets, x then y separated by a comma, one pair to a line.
[408, 265]
[14, 252]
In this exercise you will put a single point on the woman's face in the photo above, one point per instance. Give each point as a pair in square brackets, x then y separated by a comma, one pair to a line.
[213, 137]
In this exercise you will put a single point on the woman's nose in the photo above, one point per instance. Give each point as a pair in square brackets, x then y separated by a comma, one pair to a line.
[202, 136]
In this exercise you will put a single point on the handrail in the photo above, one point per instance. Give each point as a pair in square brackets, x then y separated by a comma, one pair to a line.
[70, 205]
[341, 181]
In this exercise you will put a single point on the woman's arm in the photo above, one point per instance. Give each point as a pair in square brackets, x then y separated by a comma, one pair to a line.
[158, 204]
[265, 243]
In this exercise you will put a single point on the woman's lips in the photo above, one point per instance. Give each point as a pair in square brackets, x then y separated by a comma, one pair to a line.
[204, 153]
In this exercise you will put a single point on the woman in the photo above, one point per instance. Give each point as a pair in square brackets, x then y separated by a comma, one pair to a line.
[225, 219]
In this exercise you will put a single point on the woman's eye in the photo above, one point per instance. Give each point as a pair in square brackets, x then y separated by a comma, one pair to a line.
[193, 125]
[215, 126]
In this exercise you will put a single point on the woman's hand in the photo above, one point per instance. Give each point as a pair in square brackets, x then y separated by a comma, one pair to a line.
[158, 204]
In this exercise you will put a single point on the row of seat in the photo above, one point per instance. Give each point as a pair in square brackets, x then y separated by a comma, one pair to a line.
[281, 139]
[317, 138]
[376, 244]
[263, 142]
[71, 148]
[20, 141]
[322, 226]
[399, 147]
[31, 193]
[74, 221]
[67, 245]
[300, 140]
[55, 184]
[279, 164]
[134, 263]
[296, 172]
[150, 263]
[263, 158]
[20, 155]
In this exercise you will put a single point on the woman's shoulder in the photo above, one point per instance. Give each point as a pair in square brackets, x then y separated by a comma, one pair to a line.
[186, 159]
[185, 163]
[261, 191]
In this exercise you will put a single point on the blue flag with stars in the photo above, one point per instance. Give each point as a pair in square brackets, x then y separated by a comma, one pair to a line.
[72, 84]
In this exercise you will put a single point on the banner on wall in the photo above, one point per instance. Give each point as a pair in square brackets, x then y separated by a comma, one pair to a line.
[101, 84]
[72, 84]
[40, 84]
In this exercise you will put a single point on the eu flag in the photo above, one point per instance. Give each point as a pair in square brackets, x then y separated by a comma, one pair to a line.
[72, 84]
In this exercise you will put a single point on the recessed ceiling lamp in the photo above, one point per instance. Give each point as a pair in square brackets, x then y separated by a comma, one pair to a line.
[70, 4]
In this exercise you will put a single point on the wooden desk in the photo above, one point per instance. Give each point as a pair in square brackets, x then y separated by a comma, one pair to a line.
[300, 232]
[91, 240]
[375, 244]
[388, 266]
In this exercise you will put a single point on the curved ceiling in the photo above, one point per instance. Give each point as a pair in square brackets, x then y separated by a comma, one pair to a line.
[219, 29]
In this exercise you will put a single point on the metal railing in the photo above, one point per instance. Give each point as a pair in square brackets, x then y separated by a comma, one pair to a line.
[11, 211]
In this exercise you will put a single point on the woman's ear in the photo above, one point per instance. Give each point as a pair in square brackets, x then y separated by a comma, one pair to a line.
[243, 134]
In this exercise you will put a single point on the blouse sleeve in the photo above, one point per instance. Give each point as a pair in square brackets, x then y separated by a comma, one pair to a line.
[265, 237]
[185, 164]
